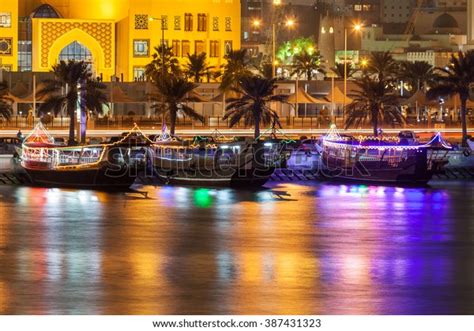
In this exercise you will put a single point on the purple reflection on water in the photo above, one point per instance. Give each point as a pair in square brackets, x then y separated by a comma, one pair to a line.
[399, 244]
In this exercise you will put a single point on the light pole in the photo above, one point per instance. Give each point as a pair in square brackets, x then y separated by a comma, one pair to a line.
[331, 74]
[162, 20]
[273, 50]
[357, 27]
[276, 3]
[289, 23]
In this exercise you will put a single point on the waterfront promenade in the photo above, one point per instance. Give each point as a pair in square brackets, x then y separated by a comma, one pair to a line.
[452, 133]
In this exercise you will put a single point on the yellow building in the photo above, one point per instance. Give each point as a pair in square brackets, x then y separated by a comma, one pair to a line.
[116, 36]
[8, 35]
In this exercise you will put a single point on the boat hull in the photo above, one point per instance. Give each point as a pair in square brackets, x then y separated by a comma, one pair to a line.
[240, 165]
[104, 177]
[380, 178]
[413, 171]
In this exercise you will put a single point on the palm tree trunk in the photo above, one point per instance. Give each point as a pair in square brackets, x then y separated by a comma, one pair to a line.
[463, 119]
[375, 120]
[72, 118]
[257, 128]
[173, 112]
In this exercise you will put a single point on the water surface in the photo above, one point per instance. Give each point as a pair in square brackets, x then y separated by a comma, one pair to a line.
[300, 248]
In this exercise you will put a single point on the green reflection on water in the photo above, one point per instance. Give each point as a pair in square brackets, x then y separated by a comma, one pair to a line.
[202, 198]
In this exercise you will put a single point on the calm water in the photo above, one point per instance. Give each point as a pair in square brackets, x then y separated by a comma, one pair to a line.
[294, 248]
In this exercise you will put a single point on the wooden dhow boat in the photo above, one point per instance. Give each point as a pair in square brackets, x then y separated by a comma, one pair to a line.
[102, 166]
[383, 160]
[208, 162]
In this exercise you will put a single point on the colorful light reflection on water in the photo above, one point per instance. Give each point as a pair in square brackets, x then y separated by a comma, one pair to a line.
[292, 248]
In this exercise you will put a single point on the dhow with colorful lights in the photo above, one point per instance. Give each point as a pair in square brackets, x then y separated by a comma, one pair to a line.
[208, 162]
[386, 160]
[102, 167]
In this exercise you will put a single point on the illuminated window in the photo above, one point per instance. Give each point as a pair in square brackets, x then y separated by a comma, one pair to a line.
[199, 47]
[215, 24]
[138, 73]
[175, 47]
[45, 11]
[357, 7]
[164, 22]
[214, 48]
[5, 20]
[75, 51]
[202, 22]
[141, 48]
[185, 48]
[227, 46]
[228, 24]
[177, 22]
[188, 22]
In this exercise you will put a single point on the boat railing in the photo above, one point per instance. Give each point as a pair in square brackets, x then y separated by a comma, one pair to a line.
[63, 156]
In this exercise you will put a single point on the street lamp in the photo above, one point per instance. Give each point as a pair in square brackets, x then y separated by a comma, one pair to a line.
[289, 23]
[357, 27]
[256, 23]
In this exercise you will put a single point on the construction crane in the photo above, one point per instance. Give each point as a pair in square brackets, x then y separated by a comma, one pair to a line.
[414, 16]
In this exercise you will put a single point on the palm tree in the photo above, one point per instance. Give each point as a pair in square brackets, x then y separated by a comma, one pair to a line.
[374, 101]
[338, 69]
[263, 65]
[5, 101]
[164, 62]
[453, 79]
[237, 66]
[382, 65]
[197, 67]
[306, 63]
[265, 69]
[418, 74]
[62, 92]
[257, 92]
[174, 92]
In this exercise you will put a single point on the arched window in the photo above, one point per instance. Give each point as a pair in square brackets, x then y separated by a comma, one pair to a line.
[75, 51]
[45, 11]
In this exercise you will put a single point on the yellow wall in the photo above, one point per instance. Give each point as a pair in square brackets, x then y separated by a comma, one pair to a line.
[121, 15]
[81, 9]
[10, 35]
[123, 45]
[157, 8]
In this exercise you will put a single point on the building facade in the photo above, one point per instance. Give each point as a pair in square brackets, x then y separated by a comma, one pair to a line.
[117, 37]
[397, 11]
[8, 35]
